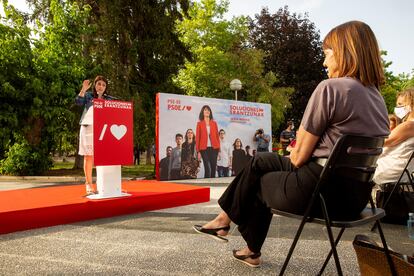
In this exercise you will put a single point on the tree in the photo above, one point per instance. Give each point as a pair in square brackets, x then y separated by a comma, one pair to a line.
[15, 72]
[39, 90]
[132, 43]
[220, 53]
[135, 45]
[393, 84]
[293, 52]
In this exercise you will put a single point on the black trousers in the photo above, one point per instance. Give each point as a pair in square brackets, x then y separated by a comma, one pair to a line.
[175, 174]
[267, 181]
[222, 171]
[209, 157]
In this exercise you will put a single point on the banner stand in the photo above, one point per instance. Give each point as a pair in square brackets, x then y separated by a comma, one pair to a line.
[108, 182]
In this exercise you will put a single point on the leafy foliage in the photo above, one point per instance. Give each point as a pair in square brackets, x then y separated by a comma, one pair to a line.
[145, 47]
[15, 71]
[24, 159]
[220, 53]
[293, 51]
[393, 84]
[38, 77]
[134, 44]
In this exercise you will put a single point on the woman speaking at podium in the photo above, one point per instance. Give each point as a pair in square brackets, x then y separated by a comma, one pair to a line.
[85, 98]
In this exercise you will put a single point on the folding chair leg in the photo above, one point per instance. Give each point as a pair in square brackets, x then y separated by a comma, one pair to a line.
[338, 238]
[387, 252]
[292, 247]
[374, 227]
[331, 239]
[371, 201]
[334, 252]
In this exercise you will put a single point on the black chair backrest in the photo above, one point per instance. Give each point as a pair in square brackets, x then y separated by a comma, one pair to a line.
[345, 182]
[353, 157]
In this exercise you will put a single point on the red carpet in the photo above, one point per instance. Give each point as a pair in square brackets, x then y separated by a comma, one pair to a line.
[40, 207]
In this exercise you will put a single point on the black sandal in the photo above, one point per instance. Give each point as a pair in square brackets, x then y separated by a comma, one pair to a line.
[212, 232]
[242, 258]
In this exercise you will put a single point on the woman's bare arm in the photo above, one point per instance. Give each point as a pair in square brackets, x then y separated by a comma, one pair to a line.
[305, 144]
[399, 134]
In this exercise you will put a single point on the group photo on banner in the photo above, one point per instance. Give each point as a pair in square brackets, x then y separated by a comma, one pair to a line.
[199, 137]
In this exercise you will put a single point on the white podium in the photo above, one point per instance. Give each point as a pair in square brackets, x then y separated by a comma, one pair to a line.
[108, 180]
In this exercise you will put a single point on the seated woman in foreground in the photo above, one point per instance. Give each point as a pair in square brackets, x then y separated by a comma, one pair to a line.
[348, 102]
[399, 146]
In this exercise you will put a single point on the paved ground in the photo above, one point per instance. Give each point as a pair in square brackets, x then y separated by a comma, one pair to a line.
[162, 243]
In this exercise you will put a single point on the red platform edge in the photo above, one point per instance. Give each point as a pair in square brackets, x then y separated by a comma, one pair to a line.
[43, 207]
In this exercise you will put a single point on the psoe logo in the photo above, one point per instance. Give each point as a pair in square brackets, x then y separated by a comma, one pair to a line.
[174, 104]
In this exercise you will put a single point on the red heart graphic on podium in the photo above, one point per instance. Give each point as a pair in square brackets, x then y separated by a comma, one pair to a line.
[188, 108]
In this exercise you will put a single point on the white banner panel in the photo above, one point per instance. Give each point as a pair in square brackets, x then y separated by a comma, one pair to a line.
[178, 114]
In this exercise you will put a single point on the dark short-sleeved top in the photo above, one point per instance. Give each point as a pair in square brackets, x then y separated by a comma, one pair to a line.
[164, 168]
[285, 134]
[261, 142]
[344, 106]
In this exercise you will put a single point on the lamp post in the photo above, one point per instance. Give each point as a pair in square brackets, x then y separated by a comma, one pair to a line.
[235, 85]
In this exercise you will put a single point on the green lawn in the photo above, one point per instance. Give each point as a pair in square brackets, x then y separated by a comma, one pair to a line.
[62, 165]
[138, 170]
[66, 169]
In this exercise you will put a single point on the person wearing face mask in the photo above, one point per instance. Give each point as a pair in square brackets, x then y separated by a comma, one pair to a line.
[85, 98]
[399, 145]
[348, 102]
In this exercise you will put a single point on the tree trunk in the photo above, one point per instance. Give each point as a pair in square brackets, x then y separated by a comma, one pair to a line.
[149, 155]
[34, 133]
[78, 162]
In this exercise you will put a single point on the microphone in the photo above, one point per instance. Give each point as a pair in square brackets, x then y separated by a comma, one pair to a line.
[109, 97]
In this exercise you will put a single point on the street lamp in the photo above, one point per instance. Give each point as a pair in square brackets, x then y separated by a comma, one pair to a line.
[235, 85]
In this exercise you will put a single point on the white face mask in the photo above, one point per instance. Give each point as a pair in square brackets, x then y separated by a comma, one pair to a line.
[402, 111]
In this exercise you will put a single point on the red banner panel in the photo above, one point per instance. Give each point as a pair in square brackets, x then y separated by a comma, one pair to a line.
[113, 132]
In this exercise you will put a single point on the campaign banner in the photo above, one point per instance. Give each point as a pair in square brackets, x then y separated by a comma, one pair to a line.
[112, 132]
[199, 137]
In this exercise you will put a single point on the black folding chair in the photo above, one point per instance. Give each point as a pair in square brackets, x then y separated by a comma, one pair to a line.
[399, 183]
[353, 158]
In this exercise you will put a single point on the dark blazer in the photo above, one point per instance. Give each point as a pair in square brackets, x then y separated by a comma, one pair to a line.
[87, 101]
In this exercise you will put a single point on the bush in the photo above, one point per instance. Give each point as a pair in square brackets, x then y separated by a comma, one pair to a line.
[24, 159]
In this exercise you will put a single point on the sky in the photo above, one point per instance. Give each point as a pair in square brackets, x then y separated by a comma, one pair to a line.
[391, 20]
